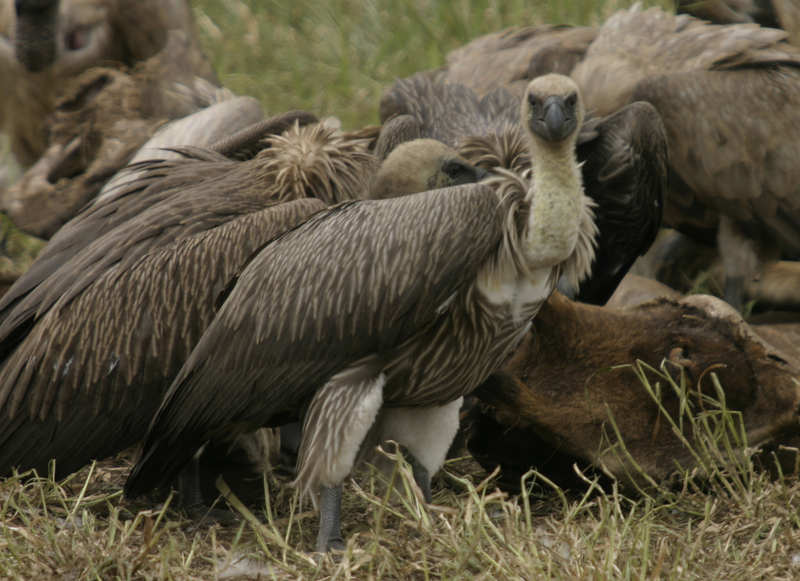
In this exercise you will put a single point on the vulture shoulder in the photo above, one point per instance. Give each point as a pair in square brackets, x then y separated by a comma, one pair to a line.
[352, 283]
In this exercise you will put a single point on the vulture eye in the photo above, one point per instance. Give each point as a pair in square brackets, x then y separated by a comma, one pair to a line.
[572, 100]
[453, 169]
[532, 100]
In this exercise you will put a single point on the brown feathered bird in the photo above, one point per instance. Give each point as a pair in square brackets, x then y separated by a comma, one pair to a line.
[113, 325]
[624, 159]
[91, 339]
[728, 96]
[385, 309]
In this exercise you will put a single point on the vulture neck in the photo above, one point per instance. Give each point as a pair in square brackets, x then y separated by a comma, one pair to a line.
[555, 199]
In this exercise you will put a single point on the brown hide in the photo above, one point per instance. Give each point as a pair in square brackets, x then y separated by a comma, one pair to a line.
[575, 371]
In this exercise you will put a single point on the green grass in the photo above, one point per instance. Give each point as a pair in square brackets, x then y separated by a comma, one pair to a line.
[336, 57]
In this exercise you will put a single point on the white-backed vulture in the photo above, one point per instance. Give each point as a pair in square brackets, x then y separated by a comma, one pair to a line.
[383, 309]
[551, 405]
[624, 159]
[62, 38]
[91, 340]
[728, 96]
[103, 118]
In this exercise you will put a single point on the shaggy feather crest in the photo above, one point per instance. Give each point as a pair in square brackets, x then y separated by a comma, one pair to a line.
[507, 149]
[318, 159]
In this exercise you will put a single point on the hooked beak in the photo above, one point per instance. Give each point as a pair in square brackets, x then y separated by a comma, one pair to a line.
[481, 174]
[555, 114]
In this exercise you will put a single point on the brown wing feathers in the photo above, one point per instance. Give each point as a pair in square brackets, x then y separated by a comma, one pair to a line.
[114, 324]
[123, 375]
[308, 305]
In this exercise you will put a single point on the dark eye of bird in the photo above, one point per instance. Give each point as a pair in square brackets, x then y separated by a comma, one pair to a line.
[572, 99]
[532, 100]
[452, 169]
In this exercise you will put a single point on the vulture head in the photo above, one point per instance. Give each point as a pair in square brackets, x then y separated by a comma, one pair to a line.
[421, 165]
[553, 109]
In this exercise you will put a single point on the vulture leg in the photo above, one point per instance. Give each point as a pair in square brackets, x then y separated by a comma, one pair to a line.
[339, 416]
[421, 475]
[190, 499]
[739, 259]
[425, 435]
[734, 287]
[330, 524]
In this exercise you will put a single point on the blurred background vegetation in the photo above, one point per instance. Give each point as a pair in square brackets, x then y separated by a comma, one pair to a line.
[336, 57]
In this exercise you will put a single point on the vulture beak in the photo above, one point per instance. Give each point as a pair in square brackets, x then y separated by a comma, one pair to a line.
[554, 119]
[555, 115]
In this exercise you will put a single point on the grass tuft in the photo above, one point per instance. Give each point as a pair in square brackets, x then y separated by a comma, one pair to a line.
[721, 519]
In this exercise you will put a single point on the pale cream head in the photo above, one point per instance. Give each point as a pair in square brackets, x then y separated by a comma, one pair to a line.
[552, 109]
[421, 165]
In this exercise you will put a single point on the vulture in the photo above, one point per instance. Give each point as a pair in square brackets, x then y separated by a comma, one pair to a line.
[550, 406]
[91, 340]
[624, 157]
[373, 318]
[103, 117]
[729, 97]
[47, 42]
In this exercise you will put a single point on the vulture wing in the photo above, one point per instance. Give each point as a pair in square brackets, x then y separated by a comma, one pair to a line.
[625, 173]
[86, 381]
[736, 156]
[354, 282]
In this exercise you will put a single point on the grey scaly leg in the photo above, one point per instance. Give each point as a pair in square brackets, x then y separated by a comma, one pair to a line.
[330, 524]
[421, 476]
